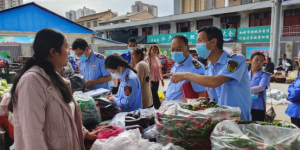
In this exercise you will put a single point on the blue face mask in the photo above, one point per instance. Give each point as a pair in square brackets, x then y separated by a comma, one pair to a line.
[202, 50]
[130, 48]
[177, 56]
[83, 57]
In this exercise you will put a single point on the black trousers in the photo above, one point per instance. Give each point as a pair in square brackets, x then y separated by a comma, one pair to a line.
[258, 115]
[296, 121]
[154, 90]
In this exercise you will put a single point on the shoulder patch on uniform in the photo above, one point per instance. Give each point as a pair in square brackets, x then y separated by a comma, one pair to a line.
[231, 55]
[197, 65]
[99, 55]
[126, 78]
[232, 65]
[127, 90]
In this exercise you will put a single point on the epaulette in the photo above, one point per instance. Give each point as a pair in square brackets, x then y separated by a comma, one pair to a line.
[231, 55]
[197, 65]
[206, 67]
[99, 55]
[126, 78]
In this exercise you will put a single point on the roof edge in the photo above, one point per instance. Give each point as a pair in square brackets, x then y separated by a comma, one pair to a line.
[108, 40]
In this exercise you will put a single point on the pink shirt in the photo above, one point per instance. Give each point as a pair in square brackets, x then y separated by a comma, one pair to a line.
[155, 68]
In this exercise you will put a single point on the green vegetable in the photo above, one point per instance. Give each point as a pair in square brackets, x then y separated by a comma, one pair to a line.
[188, 107]
[242, 143]
[3, 83]
[2, 88]
[1, 93]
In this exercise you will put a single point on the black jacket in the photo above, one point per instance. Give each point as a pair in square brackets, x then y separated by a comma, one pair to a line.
[288, 61]
[270, 68]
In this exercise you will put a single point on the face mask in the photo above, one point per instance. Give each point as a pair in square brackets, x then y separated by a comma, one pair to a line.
[117, 74]
[130, 48]
[202, 50]
[177, 56]
[83, 57]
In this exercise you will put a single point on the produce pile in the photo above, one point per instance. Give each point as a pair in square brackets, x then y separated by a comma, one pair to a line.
[252, 136]
[292, 78]
[4, 87]
[190, 126]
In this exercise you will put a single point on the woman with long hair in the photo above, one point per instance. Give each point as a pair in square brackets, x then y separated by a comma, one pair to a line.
[155, 71]
[142, 67]
[259, 82]
[129, 97]
[46, 116]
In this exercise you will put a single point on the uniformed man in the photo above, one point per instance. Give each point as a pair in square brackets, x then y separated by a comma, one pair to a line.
[91, 66]
[184, 63]
[226, 76]
[127, 56]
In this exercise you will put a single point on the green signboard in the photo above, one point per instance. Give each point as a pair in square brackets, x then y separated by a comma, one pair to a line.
[192, 36]
[254, 34]
[4, 54]
[229, 32]
[166, 52]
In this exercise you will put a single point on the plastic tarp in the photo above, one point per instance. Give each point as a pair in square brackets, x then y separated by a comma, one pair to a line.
[229, 135]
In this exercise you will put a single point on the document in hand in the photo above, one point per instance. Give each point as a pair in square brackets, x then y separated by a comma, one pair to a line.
[96, 92]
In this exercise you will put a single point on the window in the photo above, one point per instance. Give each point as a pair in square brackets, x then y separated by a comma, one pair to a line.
[164, 29]
[260, 19]
[88, 24]
[134, 32]
[183, 27]
[232, 22]
[147, 31]
[204, 23]
[95, 23]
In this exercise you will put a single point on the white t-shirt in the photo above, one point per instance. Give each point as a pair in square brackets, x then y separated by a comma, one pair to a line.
[72, 105]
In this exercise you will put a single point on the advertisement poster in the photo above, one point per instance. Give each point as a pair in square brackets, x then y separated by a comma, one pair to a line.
[166, 52]
[109, 52]
[251, 50]
[4, 54]
[254, 34]
[16, 39]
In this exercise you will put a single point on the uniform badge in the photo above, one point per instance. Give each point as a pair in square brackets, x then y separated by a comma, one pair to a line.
[197, 65]
[126, 78]
[206, 67]
[232, 65]
[231, 55]
[127, 90]
[94, 65]
[100, 56]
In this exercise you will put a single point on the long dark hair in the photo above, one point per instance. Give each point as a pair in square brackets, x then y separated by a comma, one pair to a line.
[113, 61]
[45, 40]
[139, 51]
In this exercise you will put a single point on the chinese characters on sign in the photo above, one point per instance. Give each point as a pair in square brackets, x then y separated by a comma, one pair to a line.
[254, 34]
[251, 50]
[192, 36]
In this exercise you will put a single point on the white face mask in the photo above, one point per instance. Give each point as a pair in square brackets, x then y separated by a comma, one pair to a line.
[117, 74]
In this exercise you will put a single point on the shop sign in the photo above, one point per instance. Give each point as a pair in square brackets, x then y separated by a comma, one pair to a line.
[254, 34]
[16, 39]
[251, 50]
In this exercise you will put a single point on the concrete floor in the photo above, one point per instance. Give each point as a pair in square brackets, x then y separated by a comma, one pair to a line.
[279, 109]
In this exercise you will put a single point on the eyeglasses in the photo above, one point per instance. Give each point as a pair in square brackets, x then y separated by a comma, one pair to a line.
[176, 49]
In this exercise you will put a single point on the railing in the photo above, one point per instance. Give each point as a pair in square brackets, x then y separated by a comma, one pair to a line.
[291, 31]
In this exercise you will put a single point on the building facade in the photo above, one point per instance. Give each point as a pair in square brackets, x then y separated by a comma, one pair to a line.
[84, 12]
[92, 20]
[140, 7]
[5, 4]
[71, 15]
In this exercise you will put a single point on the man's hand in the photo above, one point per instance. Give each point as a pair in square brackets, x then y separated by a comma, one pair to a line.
[162, 82]
[176, 77]
[94, 135]
[88, 83]
[110, 97]
[201, 98]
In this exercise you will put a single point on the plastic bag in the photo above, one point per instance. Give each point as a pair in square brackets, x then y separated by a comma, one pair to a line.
[89, 112]
[119, 119]
[229, 135]
[130, 140]
[77, 83]
[4, 105]
[150, 133]
[108, 110]
[191, 129]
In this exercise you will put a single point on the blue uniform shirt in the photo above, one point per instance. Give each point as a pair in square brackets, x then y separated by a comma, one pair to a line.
[72, 61]
[236, 91]
[129, 97]
[293, 110]
[94, 69]
[127, 57]
[260, 78]
[174, 91]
